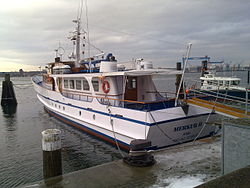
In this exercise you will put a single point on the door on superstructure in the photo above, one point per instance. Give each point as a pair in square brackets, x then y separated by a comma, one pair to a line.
[131, 89]
[59, 83]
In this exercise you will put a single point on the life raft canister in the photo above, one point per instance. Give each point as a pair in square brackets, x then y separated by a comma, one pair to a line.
[105, 86]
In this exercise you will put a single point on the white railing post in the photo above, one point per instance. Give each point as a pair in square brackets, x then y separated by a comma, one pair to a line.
[183, 72]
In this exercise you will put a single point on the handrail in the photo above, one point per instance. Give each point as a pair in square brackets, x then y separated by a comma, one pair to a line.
[129, 101]
[219, 108]
[222, 96]
[85, 91]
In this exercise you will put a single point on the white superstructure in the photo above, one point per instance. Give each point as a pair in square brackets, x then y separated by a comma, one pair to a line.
[118, 105]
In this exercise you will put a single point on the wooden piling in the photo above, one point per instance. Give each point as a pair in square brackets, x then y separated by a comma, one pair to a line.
[8, 94]
[248, 74]
[52, 159]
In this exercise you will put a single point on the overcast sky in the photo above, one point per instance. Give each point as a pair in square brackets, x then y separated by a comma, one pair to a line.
[156, 30]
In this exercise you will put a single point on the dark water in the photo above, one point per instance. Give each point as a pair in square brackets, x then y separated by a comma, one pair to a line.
[20, 136]
[20, 141]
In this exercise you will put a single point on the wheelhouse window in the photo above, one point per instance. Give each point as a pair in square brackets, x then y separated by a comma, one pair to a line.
[95, 83]
[85, 84]
[71, 84]
[66, 84]
[78, 85]
[235, 82]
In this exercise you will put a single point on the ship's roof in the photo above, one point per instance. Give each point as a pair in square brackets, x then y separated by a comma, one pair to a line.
[221, 78]
[124, 73]
[212, 76]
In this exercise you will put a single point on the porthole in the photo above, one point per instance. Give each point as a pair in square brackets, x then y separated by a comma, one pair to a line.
[94, 116]
[80, 113]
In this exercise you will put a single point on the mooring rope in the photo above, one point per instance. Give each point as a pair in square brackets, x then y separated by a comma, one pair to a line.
[207, 117]
[112, 125]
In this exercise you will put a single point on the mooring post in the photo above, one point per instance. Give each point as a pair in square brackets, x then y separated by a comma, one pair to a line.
[52, 158]
[8, 94]
[248, 74]
[138, 155]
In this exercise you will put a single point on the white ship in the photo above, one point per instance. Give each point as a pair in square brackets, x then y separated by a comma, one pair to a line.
[118, 103]
[228, 86]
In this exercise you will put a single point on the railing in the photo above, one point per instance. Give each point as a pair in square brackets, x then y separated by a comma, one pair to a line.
[164, 94]
[37, 79]
[79, 97]
[137, 105]
[230, 100]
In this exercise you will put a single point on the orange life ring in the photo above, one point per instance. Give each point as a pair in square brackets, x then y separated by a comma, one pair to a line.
[105, 86]
[49, 79]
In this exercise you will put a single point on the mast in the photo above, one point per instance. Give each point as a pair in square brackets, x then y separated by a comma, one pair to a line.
[78, 34]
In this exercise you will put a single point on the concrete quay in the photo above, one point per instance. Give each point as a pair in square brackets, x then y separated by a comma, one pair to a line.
[198, 162]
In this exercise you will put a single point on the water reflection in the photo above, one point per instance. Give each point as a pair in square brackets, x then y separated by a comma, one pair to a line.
[9, 110]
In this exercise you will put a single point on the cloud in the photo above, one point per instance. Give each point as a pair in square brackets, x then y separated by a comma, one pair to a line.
[155, 30]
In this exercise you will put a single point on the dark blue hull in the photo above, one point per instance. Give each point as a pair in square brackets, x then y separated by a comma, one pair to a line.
[229, 94]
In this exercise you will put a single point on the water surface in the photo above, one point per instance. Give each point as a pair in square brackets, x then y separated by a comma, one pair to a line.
[20, 136]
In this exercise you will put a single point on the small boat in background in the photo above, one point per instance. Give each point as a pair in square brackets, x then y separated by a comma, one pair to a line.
[222, 86]
[229, 86]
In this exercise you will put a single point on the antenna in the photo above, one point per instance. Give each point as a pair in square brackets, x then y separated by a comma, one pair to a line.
[59, 51]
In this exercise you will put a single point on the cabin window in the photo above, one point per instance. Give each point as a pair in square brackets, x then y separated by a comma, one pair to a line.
[66, 83]
[131, 83]
[95, 83]
[71, 84]
[215, 82]
[235, 82]
[78, 85]
[209, 82]
[85, 84]
[220, 82]
[227, 83]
